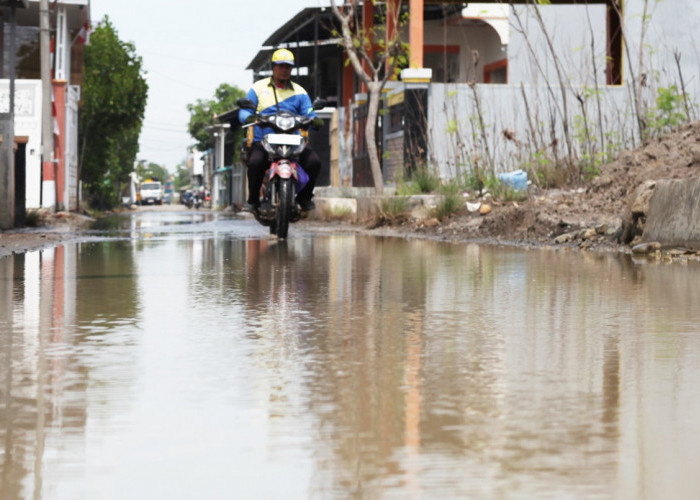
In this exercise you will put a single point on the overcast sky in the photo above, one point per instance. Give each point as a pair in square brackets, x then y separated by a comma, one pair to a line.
[189, 49]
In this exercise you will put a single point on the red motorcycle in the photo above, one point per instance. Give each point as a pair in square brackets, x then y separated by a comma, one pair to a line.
[284, 177]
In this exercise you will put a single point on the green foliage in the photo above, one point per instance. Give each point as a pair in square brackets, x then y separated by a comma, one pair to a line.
[548, 174]
[451, 203]
[152, 171]
[182, 177]
[503, 192]
[668, 112]
[114, 97]
[394, 208]
[451, 127]
[426, 180]
[421, 181]
[472, 180]
[407, 188]
[203, 114]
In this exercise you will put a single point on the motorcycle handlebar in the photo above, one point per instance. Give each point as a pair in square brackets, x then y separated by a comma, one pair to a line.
[260, 120]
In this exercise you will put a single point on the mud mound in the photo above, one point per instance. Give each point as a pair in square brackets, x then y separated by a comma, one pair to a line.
[589, 216]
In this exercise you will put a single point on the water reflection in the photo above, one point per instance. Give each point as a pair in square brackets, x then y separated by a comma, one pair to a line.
[346, 366]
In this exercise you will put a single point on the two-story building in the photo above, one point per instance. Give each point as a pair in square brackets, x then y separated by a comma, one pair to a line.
[36, 181]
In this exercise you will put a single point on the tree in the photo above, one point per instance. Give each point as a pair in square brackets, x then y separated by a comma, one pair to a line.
[182, 176]
[114, 100]
[203, 114]
[153, 171]
[374, 62]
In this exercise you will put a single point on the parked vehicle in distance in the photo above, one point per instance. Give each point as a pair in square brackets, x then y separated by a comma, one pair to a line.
[168, 192]
[151, 192]
[193, 198]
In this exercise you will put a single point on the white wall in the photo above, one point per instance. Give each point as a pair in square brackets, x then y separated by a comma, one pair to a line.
[456, 142]
[481, 38]
[529, 57]
[673, 26]
[27, 123]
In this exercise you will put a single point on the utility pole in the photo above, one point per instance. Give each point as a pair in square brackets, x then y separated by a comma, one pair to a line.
[48, 167]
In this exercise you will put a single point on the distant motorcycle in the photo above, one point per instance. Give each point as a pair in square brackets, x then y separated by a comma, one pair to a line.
[193, 200]
[284, 177]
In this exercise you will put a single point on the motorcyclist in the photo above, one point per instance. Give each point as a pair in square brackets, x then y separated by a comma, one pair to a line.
[268, 95]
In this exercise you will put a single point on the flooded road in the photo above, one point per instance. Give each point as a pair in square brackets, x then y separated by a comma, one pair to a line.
[186, 355]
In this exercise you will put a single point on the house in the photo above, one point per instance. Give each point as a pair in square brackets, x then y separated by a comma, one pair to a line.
[35, 181]
[494, 86]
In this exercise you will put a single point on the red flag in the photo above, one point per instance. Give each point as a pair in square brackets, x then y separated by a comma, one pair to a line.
[84, 33]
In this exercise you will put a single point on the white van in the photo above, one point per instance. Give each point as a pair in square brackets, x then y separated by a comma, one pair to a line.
[151, 192]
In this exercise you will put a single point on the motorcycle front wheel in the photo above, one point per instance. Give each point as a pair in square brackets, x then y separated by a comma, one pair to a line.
[285, 206]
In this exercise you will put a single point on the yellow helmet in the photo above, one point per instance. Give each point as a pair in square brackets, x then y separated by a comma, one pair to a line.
[283, 56]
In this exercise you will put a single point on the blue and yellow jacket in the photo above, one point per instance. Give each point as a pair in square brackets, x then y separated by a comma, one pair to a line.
[291, 98]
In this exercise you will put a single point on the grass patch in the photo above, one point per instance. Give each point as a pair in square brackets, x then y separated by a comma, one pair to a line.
[551, 176]
[392, 210]
[421, 181]
[338, 214]
[451, 203]
[395, 207]
[503, 192]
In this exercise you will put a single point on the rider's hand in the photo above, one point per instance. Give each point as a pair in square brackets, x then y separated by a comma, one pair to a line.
[317, 123]
[250, 119]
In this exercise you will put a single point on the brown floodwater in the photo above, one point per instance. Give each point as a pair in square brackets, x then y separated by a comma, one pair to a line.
[221, 365]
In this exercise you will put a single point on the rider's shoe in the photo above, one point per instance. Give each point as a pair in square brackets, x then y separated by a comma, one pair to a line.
[306, 205]
[265, 208]
[249, 207]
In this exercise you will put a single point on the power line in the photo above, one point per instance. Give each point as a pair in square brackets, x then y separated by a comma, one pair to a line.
[165, 129]
[180, 82]
[196, 61]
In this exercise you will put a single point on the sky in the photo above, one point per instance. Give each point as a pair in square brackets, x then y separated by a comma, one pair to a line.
[188, 49]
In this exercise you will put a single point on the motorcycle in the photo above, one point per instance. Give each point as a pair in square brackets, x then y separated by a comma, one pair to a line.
[285, 177]
[193, 200]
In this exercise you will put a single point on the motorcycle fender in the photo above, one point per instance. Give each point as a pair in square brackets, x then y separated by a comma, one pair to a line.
[283, 169]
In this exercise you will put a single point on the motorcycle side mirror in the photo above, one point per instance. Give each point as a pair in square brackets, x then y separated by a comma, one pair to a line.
[245, 103]
[319, 104]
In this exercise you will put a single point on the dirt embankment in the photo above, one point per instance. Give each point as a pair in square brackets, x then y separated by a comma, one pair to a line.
[589, 217]
[51, 230]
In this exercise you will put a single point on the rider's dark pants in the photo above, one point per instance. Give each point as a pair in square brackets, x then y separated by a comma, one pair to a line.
[258, 162]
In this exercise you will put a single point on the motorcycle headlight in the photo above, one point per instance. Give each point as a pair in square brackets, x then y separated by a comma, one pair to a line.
[285, 122]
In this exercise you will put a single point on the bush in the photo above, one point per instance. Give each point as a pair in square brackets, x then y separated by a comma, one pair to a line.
[451, 203]
[33, 218]
[421, 181]
[395, 208]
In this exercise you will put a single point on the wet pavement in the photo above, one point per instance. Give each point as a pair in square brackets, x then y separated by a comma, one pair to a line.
[182, 354]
